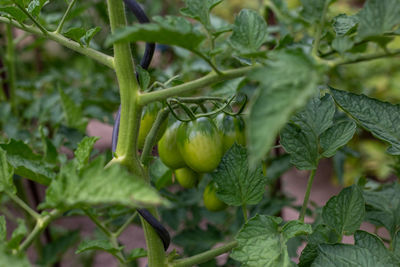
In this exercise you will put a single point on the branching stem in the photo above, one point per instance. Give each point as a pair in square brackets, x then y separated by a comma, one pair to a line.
[61, 24]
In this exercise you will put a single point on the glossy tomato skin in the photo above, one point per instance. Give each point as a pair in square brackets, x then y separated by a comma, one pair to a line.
[200, 144]
[231, 129]
[168, 148]
[211, 201]
[186, 177]
[149, 116]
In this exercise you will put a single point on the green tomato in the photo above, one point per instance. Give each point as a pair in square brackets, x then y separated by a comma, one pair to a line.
[231, 129]
[200, 144]
[211, 201]
[168, 148]
[186, 177]
[149, 116]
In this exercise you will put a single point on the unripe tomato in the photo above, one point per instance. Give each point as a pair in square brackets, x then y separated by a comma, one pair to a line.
[200, 144]
[186, 177]
[231, 129]
[211, 201]
[149, 116]
[168, 148]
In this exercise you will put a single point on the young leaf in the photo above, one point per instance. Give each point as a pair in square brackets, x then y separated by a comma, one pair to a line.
[160, 174]
[378, 17]
[169, 30]
[94, 185]
[383, 205]
[99, 244]
[136, 254]
[26, 163]
[346, 211]
[342, 44]
[249, 32]
[6, 174]
[17, 235]
[302, 145]
[75, 33]
[144, 77]
[35, 6]
[343, 24]
[85, 147]
[336, 137]
[262, 242]
[73, 113]
[382, 119]
[237, 184]
[292, 79]
[368, 251]
[88, 36]
[200, 10]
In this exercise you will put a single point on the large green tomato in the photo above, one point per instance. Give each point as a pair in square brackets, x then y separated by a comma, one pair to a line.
[168, 148]
[231, 129]
[186, 177]
[200, 144]
[149, 116]
[211, 201]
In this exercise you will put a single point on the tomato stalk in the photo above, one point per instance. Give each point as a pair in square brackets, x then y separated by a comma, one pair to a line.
[307, 196]
[127, 147]
[61, 24]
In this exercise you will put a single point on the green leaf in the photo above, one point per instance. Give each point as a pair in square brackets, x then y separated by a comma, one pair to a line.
[200, 10]
[312, 9]
[342, 44]
[73, 113]
[3, 228]
[378, 17]
[89, 34]
[14, 12]
[99, 244]
[383, 206]
[262, 242]
[249, 32]
[343, 24]
[237, 184]
[53, 252]
[144, 77]
[9, 259]
[35, 6]
[75, 33]
[136, 254]
[85, 147]
[94, 185]
[50, 151]
[17, 235]
[169, 30]
[160, 174]
[6, 174]
[368, 251]
[302, 147]
[380, 118]
[27, 164]
[396, 244]
[346, 211]
[336, 137]
[287, 83]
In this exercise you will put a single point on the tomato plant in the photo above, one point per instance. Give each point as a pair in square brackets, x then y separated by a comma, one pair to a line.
[226, 98]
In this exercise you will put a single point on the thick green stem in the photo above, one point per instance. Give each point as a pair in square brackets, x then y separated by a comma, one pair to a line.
[205, 256]
[89, 52]
[11, 70]
[126, 152]
[155, 248]
[194, 85]
[307, 196]
[41, 224]
[61, 24]
[320, 27]
[153, 134]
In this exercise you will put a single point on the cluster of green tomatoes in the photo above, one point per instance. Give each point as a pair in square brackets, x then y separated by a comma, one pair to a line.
[192, 148]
